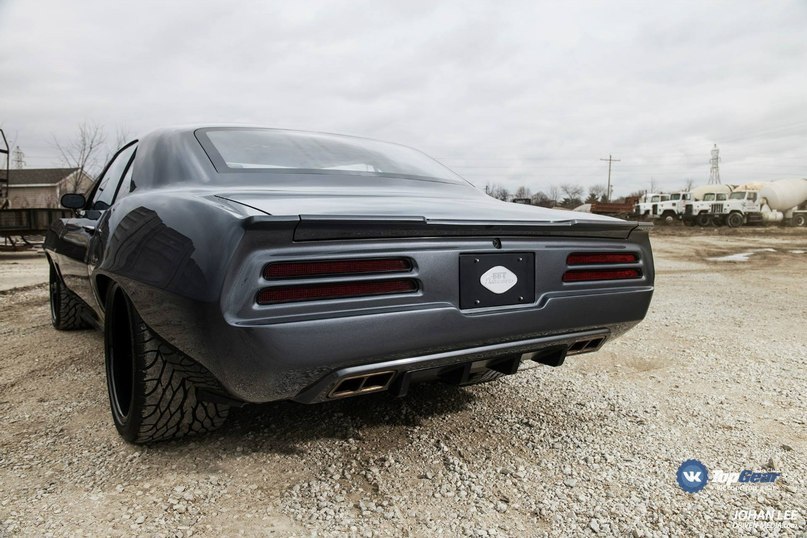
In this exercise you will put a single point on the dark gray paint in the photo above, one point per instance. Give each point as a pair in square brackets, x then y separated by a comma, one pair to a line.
[188, 246]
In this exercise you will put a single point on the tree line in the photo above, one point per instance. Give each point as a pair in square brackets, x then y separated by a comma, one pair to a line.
[567, 195]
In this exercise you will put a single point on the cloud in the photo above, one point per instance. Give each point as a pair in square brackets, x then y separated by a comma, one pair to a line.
[509, 92]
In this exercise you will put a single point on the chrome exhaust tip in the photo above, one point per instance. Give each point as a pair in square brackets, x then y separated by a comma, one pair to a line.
[362, 384]
[585, 346]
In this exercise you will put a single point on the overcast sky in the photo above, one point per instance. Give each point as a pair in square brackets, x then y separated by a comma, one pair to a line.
[531, 93]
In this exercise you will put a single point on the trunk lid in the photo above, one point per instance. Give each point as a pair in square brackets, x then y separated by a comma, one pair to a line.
[345, 212]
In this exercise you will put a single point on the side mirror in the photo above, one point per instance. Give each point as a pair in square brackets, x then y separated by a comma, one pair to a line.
[73, 201]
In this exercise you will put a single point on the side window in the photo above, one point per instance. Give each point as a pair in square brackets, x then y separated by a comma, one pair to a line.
[105, 193]
[752, 196]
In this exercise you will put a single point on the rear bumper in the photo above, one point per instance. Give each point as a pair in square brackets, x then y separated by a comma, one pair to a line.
[320, 353]
[303, 361]
[299, 351]
[458, 366]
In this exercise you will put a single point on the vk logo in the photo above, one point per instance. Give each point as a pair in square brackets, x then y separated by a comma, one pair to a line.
[692, 476]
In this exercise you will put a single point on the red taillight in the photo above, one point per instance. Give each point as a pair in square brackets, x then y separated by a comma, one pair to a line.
[603, 274]
[335, 268]
[586, 258]
[314, 292]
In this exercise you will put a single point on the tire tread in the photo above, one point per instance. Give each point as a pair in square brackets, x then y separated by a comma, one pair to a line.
[68, 311]
[171, 408]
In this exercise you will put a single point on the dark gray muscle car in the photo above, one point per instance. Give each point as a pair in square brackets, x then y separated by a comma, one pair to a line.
[230, 264]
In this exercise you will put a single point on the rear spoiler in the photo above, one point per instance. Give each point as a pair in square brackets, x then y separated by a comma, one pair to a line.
[335, 227]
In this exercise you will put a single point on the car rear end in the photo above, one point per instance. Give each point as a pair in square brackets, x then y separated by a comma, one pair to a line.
[365, 266]
[322, 308]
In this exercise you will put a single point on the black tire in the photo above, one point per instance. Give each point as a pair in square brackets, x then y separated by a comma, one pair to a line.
[800, 220]
[65, 306]
[735, 220]
[668, 218]
[152, 386]
[703, 220]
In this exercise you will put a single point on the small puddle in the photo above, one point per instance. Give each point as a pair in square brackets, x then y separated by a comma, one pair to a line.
[740, 256]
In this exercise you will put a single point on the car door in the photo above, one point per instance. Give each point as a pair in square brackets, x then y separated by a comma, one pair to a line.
[79, 232]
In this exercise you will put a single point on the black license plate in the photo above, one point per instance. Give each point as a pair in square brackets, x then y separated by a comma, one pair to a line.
[497, 279]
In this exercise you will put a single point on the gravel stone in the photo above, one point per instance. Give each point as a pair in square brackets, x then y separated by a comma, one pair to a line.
[714, 373]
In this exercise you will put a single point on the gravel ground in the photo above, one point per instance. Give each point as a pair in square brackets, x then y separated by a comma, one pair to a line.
[716, 372]
[21, 269]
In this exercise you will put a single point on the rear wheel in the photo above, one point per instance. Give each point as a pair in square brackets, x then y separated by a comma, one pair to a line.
[734, 220]
[800, 220]
[703, 220]
[152, 386]
[65, 306]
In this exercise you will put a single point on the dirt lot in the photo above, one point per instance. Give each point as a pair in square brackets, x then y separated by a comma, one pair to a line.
[716, 373]
[22, 269]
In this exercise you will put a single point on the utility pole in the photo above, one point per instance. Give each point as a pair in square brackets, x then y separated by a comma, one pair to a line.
[610, 160]
[714, 169]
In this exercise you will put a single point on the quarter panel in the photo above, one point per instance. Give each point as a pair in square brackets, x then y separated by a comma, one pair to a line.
[179, 242]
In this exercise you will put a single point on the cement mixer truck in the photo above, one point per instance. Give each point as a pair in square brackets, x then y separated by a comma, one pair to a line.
[783, 201]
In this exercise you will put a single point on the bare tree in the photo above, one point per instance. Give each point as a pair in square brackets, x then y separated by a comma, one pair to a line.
[497, 191]
[653, 185]
[501, 193]
[596, 193]
[82, 152]
[572, 194]
[635, 195]
[571, 190]
[540, 198]
[689, 184]
[554, 193]
[122, 136]
[522, 192]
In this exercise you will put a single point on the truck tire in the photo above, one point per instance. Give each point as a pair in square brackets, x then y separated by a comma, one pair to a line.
[703, 220]
[668, 217]
[735, 220]
[65, 306]
[152, 386]
[800, 220]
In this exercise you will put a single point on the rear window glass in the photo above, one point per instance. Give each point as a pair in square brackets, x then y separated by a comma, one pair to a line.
[269, 150]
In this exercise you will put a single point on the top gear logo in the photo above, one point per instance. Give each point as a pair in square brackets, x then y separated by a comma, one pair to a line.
[692, 476]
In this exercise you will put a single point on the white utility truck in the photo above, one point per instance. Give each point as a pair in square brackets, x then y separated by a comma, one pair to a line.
[706, 205]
